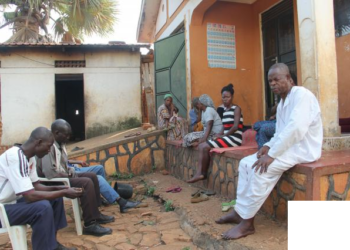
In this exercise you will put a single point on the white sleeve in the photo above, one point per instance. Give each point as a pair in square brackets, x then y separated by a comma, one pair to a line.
[297, 126]
[17, 172]
[32, 170]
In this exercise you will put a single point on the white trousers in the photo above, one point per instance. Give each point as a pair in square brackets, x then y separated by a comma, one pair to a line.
[254, 188]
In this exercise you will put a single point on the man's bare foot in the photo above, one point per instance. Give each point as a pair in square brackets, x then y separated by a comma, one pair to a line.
[230, 218]
[242, 230]
[196, 178]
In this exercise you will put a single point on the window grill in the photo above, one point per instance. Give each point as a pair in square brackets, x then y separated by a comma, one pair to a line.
[70, 64]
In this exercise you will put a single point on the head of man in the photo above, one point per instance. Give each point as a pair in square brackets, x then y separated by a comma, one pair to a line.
[41, 140]
[280, 80]
[61, 130]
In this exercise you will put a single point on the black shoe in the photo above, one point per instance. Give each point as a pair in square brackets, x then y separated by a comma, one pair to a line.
[96, 230]
[104, 219]
[129, 204]
[61, 247]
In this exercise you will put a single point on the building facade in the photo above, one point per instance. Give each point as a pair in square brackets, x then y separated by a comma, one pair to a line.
[96, 88]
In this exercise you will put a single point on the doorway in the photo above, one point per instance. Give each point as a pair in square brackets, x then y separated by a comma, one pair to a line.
[70, 103]
[278, 44]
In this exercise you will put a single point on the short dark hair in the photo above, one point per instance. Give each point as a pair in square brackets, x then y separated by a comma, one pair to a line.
[228, 88]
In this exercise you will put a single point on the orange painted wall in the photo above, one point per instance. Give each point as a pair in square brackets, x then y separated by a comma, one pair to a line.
[247, 78]
[343, 63]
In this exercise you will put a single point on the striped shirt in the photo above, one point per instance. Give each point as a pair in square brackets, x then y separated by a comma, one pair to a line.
[16, 175]
[228, 120]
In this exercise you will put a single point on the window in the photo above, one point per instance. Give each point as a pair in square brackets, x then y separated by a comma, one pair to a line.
[69, 64]
[341, 17]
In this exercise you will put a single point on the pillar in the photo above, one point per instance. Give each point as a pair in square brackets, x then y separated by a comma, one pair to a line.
[318, 58]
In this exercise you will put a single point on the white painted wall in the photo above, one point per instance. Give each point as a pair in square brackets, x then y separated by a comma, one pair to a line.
[27, 102]
[111, 88]
[162, 15]
[173, 5]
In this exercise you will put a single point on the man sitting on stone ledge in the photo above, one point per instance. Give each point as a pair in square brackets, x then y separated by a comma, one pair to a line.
[298, 139]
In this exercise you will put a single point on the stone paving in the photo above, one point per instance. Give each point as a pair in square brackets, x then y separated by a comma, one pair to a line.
[142, 228]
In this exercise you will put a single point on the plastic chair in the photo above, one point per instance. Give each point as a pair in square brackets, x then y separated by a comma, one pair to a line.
[17, 234]
[75, 203]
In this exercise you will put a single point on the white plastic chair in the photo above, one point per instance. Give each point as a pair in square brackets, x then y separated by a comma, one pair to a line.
[75, 203]
[17, 234]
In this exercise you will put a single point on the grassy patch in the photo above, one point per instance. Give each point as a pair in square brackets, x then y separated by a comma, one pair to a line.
[121, 176]
[150, 191]
[168, 205]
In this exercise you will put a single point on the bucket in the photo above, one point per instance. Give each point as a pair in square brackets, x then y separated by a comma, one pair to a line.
[124, 190]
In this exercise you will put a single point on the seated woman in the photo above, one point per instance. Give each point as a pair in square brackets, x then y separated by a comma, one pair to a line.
[168, 119]
[195, 116]
[232, 137]
[210, 120]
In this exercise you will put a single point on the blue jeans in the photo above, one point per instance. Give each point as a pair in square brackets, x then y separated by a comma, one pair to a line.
[105, 189]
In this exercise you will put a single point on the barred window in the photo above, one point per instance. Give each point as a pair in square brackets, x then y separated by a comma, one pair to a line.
[69, 64]
[341, 17]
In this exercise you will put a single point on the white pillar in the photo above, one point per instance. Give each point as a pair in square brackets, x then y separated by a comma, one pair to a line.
[318, 58]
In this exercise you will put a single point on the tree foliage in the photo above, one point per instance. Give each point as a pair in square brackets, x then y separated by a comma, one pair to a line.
[77, 18]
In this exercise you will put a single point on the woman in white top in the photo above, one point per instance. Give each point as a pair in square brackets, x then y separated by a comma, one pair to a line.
[211, 121]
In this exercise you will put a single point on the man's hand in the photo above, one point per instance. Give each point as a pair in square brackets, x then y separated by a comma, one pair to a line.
[263, 151]
[73, 193]
[71, 172]
[263, 163]
[84, 164]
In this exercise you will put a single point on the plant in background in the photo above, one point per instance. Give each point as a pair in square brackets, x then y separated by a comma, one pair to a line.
[168, 205]
[73, 19]
[150, 191]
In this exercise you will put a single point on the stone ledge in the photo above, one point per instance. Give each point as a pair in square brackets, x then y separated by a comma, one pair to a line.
[325, 179]
[111, 144]
[336, 143]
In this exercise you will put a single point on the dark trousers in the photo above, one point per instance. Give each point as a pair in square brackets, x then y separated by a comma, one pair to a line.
[91, 200]
[44, 217]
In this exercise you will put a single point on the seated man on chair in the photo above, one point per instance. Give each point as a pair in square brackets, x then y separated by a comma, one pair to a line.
[54, 165]
[29, 202]
[298, 139]
[108, 193]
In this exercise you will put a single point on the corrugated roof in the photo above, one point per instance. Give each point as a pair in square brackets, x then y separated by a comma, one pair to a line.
[81, 45]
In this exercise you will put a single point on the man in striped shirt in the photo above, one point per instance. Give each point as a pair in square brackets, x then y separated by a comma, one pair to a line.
[28, 201]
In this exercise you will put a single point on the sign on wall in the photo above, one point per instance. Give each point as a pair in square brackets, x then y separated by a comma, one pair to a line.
[221, 44]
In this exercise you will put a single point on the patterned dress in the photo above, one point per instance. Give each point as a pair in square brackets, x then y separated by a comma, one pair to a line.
[178, 126]
[233, 140]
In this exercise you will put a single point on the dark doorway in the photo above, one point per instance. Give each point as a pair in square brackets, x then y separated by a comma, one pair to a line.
[70, 103]
[278, 43]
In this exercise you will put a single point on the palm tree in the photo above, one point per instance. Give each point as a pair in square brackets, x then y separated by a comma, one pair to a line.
[75, 18]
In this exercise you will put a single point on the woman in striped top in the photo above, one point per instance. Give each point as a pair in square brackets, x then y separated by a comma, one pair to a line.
[232, 120]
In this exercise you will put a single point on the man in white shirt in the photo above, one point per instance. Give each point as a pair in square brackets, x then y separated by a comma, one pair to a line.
[28, 201]
[298, 139]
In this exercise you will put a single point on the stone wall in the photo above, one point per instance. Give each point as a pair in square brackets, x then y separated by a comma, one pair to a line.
[137, 155]
[326, 179]
[335, 186]
[222, 174]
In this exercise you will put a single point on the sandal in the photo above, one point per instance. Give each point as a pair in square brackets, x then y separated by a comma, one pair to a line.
[172, 189]
[199, 198]
[176, 190]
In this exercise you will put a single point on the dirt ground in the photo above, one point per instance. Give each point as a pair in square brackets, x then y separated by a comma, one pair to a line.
[189, 227]
[199, 218]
